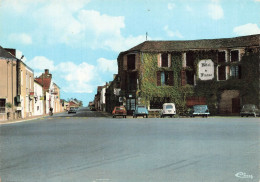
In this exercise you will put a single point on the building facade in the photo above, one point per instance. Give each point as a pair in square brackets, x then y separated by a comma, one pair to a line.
[26, 90]
[38, 99]
[222, 73]
[8, 85]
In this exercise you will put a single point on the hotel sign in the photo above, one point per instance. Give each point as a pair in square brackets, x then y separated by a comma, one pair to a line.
[206, 69]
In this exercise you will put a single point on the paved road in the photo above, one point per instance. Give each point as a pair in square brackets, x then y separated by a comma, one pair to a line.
[91, 147]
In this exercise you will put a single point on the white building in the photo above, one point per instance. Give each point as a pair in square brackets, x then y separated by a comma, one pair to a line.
[38, 99]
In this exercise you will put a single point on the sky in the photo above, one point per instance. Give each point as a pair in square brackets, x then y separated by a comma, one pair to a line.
[79, 40]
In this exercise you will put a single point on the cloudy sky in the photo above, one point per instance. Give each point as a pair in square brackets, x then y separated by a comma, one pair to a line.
[79, 40]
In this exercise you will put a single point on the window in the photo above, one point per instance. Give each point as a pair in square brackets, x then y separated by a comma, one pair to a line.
[189, 59]
[235, 72]
[190, 77]
[131, 61]
[164, 78]
[222, 57]
[234, 56]
[164, 60]
[2, 105]
[222, 73]
[132, 81]
[30, 82]
[22, 77]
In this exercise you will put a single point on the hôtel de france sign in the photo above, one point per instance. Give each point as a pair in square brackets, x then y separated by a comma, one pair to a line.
[206, 69]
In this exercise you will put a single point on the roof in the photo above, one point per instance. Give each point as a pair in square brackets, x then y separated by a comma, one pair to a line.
[46, 82]
[244, 41]
[6, 54]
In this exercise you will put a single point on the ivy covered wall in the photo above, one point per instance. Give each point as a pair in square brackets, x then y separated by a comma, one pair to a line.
[248, 85]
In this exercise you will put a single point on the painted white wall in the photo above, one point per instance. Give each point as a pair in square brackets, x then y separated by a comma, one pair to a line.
[38, 104]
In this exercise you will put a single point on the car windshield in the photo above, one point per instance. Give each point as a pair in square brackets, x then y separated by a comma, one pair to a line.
[200, 107]
[119, 108]
[169, 107]
[249, 106]
[141, 106]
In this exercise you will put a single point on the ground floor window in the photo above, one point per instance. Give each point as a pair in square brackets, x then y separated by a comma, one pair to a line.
[2, 105]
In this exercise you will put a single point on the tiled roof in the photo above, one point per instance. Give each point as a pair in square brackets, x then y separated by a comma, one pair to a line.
[244, 41]
[46, 82]
[5, 54]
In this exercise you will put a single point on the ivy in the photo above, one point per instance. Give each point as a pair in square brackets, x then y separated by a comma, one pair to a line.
[211, 89]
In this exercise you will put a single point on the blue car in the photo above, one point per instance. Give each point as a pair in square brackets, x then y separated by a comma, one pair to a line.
[140, 111]
[199, 110]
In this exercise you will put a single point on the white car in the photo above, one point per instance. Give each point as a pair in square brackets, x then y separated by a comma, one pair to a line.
[168, 110]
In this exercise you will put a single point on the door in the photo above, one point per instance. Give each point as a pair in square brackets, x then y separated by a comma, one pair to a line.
[130, 105]
[236, 105]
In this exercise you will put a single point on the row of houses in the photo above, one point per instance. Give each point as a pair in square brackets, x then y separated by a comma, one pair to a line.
[21, 94]
[222, 73]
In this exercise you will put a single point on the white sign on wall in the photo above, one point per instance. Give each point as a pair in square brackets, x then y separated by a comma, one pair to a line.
[206, 69]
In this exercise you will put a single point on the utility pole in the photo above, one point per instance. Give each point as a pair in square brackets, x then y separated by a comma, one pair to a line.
[146, 35]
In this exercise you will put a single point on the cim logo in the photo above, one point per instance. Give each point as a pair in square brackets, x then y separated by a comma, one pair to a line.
[243, 175]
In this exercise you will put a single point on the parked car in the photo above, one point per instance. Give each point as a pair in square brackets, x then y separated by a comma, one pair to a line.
[249, 110]
[119, 111]
[168, 110]
[72, 110]
[199, 110]
[140, 111]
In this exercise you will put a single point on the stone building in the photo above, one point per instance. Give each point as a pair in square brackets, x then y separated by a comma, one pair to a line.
[222, 73]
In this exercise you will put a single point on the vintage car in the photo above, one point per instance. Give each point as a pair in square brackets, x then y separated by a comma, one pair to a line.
[249, 110]
[140, 111]
[199, 110]
[72, 110]
[119, 111]
[168, 110]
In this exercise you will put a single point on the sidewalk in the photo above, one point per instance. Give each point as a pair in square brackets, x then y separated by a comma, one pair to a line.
[22, 119]
[25, 119]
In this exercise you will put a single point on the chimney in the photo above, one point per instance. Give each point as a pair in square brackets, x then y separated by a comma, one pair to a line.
[46, 71]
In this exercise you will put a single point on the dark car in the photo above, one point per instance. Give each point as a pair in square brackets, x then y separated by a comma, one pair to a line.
[140, 111]
[199, 110]
[249, 110]
[72, 110]
[119, 111]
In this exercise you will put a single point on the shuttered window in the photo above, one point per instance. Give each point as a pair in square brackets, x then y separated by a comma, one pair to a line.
[165, 78]
[164, 60]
